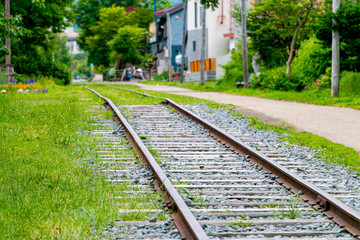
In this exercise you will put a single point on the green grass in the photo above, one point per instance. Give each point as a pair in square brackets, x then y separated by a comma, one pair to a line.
[47, 188]
[318, 97]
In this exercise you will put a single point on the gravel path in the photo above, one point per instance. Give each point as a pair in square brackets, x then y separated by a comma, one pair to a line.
[340, 125]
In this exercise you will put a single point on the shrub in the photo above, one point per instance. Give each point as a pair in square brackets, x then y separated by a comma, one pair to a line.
[276, 79]
[234, 68]
[350, 82]
[311, 62]
[61, 74]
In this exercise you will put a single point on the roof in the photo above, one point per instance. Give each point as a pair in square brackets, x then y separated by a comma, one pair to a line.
[170, 10]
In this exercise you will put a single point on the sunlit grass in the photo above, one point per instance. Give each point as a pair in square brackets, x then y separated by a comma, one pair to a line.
[48, 190]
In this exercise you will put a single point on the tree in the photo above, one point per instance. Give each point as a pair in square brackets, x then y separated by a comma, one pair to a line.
[347, 18]
[41, 20]
[107, 29]
[277, 27]
[111, 19]
[128, 43]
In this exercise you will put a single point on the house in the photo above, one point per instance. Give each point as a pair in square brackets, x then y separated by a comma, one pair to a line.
[222, 33]
[160, 41]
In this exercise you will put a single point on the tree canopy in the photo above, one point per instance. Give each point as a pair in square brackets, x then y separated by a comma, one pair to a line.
[347, 18]
[272, 25]
[30, 56]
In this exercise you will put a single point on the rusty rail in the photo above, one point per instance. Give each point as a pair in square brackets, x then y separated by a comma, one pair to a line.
[184, 220]
[320, 200]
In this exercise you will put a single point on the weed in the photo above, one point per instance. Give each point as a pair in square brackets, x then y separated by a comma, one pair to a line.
[242, 224]
[292, 210]
[144, 137]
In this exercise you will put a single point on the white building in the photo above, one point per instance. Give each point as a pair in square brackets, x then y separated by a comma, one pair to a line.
[71, 43]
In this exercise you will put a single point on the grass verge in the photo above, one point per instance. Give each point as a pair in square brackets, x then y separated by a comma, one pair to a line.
[47, 190]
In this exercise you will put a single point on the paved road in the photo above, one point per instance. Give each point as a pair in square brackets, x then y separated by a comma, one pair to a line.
[340, 125]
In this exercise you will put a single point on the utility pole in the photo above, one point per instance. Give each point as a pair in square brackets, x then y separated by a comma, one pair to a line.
[168, 25]
[183, 44]
[8, 42]
[244, 44]
[335, 60]
[156, 27]
[203, 47]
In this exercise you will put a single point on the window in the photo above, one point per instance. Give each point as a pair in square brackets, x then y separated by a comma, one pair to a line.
[196, 15]
[194, 46]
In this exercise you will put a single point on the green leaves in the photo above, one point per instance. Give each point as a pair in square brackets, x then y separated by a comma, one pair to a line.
[348, 23]
[271, 26]
[12, 28]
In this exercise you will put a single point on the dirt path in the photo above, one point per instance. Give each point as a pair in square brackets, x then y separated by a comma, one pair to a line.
[340, 125]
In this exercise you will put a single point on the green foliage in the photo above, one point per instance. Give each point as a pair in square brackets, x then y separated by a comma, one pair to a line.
[80, 67]
[210, 3]
[40, 50]
[312, 61]
[350, 82]
[128, 42]
[10, 27]
[160, 4]
[61, 73]
[276, 79]
[271, 26]
[120, 31]
[234, 68]
[348, 18]
[98, 26]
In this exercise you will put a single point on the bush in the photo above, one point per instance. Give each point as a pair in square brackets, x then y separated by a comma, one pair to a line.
[61, 74]
[312, 61]
[350, 82]
[276, 79]
[234, 68]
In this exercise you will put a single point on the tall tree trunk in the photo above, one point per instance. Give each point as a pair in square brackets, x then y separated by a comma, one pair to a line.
[183, 43]
[8, 42]
[244, 44]
[335, 59]
[293, 41]
[203, 47]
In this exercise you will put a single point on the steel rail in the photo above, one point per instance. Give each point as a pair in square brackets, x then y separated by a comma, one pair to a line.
[184, 220]
[320, 200]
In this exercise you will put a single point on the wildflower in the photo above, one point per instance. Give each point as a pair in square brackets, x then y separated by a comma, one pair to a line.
[322, 78]
[3, 91]
[20, 90]
[16, 86]
[317, 86]
[27, 90]
[250, 124]
[325, 75]
[6, 86]
[317, 80]
[12, 81]
[306, 86]
[35, 90]
[90, 130]
[39, 86]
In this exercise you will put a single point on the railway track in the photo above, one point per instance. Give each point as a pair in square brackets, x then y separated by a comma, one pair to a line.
[231, 191]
